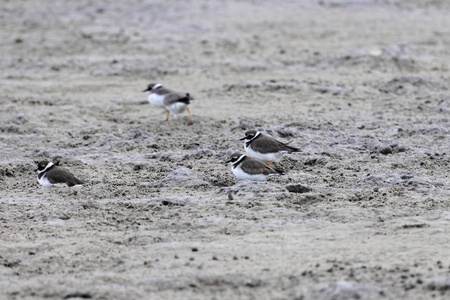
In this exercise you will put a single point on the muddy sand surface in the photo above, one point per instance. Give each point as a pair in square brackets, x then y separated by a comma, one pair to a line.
[361, 87]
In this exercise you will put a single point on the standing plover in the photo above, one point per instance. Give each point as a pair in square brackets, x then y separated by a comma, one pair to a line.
[172, 102]
[49, 174]
[247, 168]
[265, 148]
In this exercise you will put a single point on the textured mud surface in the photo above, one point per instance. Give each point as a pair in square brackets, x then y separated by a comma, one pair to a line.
[362, 87]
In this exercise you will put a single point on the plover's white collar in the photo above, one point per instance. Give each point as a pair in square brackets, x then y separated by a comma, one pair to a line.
[248, 142]
[236, 163]
[157, 86]
[48, 166]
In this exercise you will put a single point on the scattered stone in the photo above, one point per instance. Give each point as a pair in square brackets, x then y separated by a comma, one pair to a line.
[314, 161]
[386, 150]
[409, 226]
[12, 264]
[401, 149]
[78, 295]
[191, 146]
[298, 188]
[442, 286]
[170, 203]
[6, 172]
[137, 167]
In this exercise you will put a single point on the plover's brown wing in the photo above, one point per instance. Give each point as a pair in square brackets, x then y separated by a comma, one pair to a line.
[266, 144]
[254, 167]
[61, 175]
[175, 97]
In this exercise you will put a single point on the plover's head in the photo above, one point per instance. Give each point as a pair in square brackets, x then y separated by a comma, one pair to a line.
[152, 86]
[249, 134]
[42, 165]
[234, 158]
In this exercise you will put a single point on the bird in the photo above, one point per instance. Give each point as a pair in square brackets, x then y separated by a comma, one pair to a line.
[173, 102]
[247, 168]
[49, 174]
[264, 148]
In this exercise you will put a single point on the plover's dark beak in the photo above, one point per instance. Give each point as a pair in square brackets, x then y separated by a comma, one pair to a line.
[146, 90]
[35, 170]
[227, 161]
[243, 138]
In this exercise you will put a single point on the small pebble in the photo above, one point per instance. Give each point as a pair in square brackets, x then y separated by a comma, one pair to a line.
[386, 150]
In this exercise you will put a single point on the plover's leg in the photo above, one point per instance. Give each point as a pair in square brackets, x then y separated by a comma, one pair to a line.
[190, 116]
[269, 163]
[167, 118]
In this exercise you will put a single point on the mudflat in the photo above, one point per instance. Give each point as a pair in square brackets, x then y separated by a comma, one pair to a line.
[361, 87]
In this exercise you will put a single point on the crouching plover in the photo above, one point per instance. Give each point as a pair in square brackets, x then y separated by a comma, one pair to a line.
[247, 168]
[49, 174]
[264, 147]
[172, 102]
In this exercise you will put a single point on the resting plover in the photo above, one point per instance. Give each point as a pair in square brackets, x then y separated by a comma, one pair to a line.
[49, 174]
[172, 102]
[247, 168]
[265, 148]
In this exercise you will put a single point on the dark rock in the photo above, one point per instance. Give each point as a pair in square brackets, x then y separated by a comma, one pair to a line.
[12, 264]
[137, 167]
[78, 295]
[298, 188]
[314, 161]
[191, 146]
[170, 203]
[7, 172]
[401, 149]
[386, 150]
[409, 226]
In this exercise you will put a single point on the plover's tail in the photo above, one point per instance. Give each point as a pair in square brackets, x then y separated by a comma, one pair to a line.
[79, 181]
[75, 182]
[292, 149]
[187, 99]
[278, 172]
[288, 148]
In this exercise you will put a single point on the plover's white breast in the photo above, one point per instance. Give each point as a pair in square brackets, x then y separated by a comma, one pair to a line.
[241, 175]
[155, 99]
[44, 180]
[263, 156]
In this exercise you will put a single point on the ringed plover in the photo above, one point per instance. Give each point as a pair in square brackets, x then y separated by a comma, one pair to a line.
[247, 168]
[49, 174]
[173, 102]
[265, 148]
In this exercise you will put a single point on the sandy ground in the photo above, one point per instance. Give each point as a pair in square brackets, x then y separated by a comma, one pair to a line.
[362, 87]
